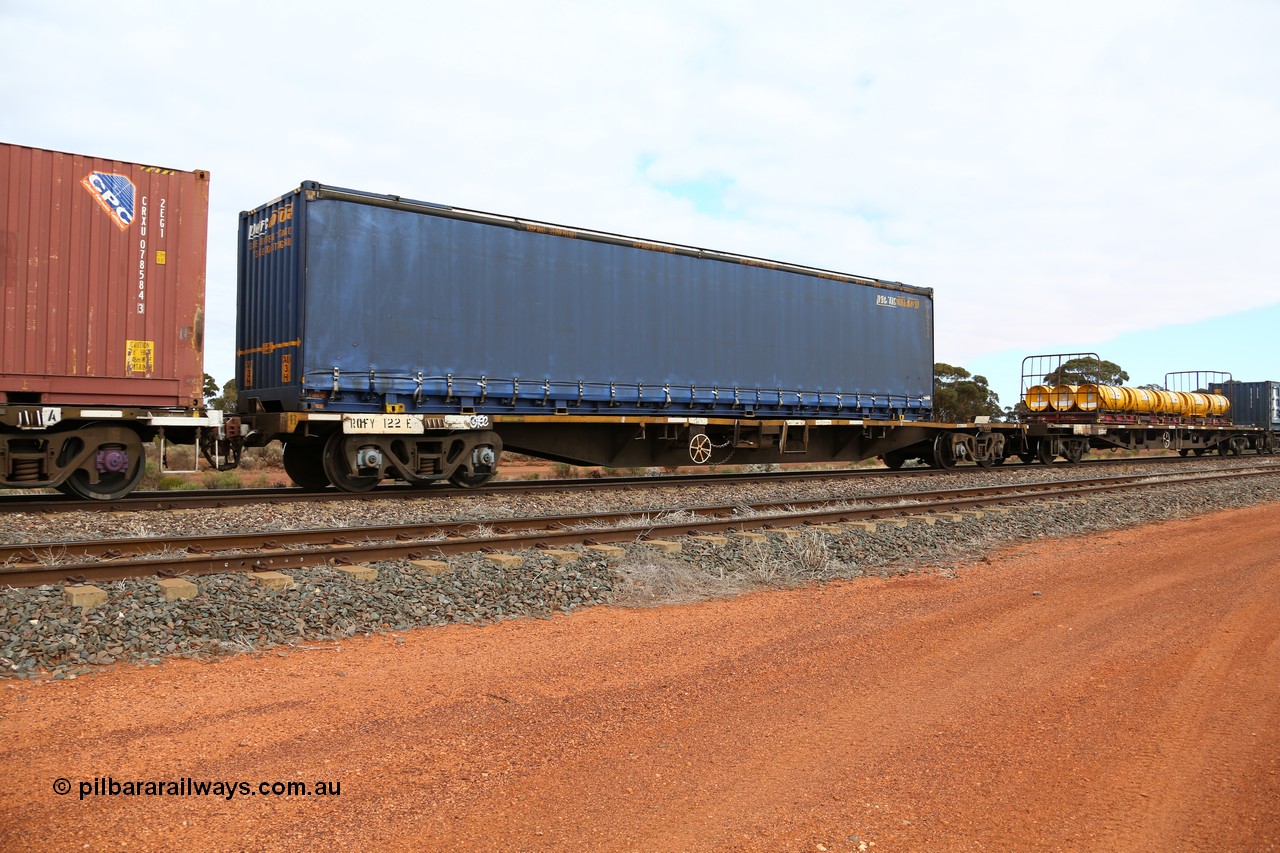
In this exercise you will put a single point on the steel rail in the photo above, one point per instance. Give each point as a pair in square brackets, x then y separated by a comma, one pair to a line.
[222, 498]
[548, 532]
[274, 540]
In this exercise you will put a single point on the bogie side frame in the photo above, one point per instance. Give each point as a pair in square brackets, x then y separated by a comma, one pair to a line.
[98, 452]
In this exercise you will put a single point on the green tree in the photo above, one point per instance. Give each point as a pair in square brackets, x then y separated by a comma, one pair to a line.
[1077, 371]
[959, 396]
[227, 402]
[1017, 412]
[210, 387]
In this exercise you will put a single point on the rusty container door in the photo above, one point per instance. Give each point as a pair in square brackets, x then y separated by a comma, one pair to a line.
[102, 294]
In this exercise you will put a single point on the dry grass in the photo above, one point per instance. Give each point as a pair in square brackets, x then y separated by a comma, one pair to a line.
[176, 555]
[479, 531]
[656, 578]
[679, 516]
[649, 578]
[53, 556]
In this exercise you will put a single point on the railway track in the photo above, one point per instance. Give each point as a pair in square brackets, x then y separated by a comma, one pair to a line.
[82, 561]
[220, 498]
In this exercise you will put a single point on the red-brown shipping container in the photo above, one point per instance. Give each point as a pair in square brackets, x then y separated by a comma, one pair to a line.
[102, 295]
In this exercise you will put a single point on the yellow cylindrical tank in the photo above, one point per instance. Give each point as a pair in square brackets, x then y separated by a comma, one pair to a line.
[1116, 398]
[1168, 402]
[1038, 398]
[1087, 397]
[1142, 400]
[1112, 398]
[1199, 404]
[1062, 398]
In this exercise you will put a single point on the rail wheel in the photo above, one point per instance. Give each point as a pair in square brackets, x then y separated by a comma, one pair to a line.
[119, 462]
[338, 471]
[1027, 451]
[894, 459]
[480, 466]
[470, 479]
[944, 454]
[989, 450]
[304, 462]
[1074, 451]
[1044, 452]
[1229, 447]
[1184, 452]
[1201, 451]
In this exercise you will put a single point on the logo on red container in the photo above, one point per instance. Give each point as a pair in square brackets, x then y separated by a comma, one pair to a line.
[115, 195]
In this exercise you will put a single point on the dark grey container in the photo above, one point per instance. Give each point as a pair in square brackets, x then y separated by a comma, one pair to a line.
[1253, 403]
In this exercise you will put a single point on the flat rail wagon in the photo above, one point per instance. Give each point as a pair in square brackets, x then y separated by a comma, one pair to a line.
[383, 337]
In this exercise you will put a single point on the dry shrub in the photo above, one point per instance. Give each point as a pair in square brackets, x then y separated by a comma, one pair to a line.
[809, 557]
[648, 578]
[564, 471]
[270, 457]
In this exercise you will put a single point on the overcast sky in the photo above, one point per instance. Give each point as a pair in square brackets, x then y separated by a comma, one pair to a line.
[1067, 177]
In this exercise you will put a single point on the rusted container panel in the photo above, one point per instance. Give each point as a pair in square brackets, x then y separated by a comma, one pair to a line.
[102, 295]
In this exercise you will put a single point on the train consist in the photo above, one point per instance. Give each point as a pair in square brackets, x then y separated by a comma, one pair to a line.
[1070, 419]
[382, 338]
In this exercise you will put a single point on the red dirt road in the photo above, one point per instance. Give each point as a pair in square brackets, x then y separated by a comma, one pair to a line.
[1133, 705]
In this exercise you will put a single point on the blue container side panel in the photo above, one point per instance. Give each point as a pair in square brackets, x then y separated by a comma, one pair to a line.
[270, 297]
[437, 314]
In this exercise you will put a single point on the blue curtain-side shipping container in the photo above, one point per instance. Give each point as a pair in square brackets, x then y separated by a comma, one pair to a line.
[350, 302]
